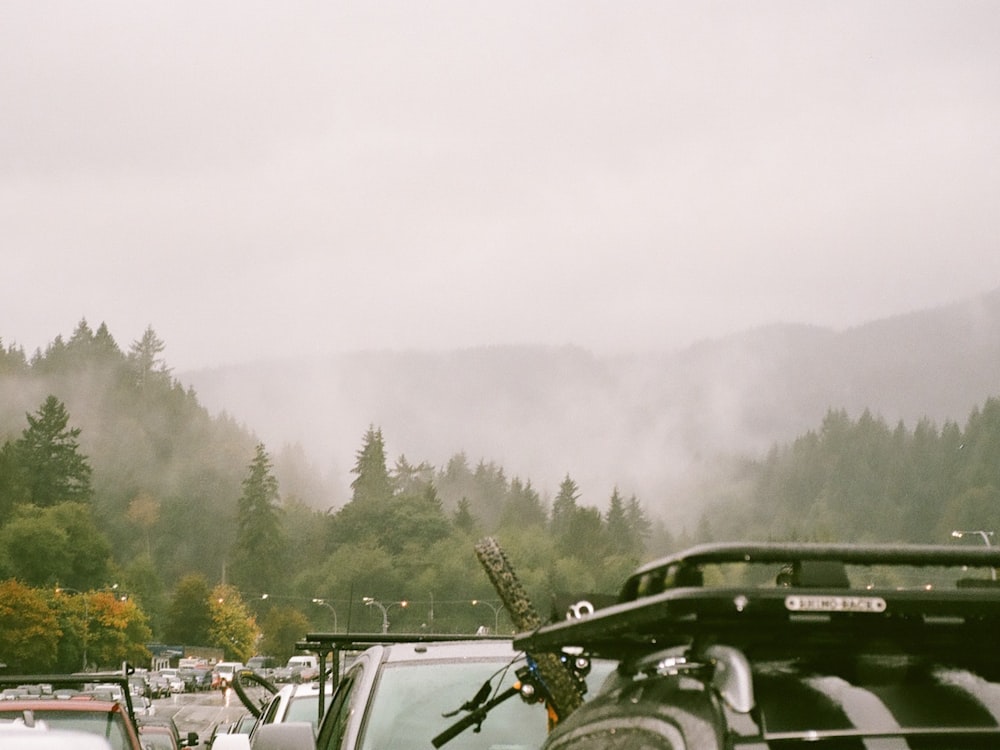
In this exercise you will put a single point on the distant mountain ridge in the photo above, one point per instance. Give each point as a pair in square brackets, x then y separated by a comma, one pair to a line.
[646, 423]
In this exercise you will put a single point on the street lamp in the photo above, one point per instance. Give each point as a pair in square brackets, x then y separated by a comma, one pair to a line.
[496, 612]
[325, 603]
[86, 617]
[986, 536]
[372, 602]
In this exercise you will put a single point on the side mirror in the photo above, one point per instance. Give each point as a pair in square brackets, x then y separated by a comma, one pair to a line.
[192, 740]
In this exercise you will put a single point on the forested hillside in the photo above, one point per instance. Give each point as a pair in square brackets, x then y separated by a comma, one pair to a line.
[114, 478]
[649, 423]
[864, 480]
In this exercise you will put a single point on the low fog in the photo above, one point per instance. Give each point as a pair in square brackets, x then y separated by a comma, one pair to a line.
[660, 425]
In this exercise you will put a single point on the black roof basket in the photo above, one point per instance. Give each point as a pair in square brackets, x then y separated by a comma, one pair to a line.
[807, 604]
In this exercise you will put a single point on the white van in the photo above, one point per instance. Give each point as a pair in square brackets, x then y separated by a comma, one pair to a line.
[302, 668]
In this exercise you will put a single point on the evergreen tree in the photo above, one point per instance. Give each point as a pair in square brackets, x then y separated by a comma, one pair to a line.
[564, 507]
[52, 469]
[639, 526]
[12, 360]
[258, 550]
[144, 357]
[522, 507]
[408, 479]
[620, 538]
[463, 519]
[372, 482]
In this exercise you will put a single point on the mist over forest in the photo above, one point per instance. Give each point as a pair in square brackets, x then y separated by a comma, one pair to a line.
[308, 481]
[658, 425]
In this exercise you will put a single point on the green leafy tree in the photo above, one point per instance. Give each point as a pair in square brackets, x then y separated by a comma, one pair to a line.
[61, 543]
[13, 489]
[233, 627]
[189, 614]
[120, 631]
[29, 630]
[372, 481]
[259, 547]
[51, 467]
[145, 584]
[281, 629]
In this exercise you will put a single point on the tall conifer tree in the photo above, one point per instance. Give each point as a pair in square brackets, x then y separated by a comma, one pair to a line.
[259, 547]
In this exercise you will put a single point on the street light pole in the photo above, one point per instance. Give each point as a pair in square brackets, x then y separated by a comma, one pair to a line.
[325, 603]
[496, 613]
[373, 602]
[370, 602]
[986, 536]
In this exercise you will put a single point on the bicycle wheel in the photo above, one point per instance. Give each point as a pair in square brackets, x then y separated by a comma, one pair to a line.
[563, 692]
[248, 675]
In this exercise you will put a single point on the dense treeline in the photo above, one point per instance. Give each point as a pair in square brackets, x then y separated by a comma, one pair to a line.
[113, 475]
[866, 481]
[113, 478]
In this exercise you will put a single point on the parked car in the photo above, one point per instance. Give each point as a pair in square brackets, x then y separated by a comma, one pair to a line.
[790, 645]
[263, 665]
[158, 727]
[174, 680]
[89, 712]
[158, 684]
[300, 668]
[298, 702]
[158, 738]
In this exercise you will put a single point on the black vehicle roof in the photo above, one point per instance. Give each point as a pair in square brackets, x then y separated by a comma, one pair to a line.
[683, 600]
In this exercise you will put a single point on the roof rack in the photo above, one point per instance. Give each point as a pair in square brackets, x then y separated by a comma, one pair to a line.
[323, 643]
[352, 641]
[797, 600]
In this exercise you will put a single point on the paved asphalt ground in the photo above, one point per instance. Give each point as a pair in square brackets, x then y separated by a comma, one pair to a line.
[201, 712]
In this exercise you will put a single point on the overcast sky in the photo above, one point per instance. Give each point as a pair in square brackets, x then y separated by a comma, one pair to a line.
[258, 179]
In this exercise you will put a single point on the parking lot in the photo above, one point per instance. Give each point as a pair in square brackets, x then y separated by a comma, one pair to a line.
[200, 712]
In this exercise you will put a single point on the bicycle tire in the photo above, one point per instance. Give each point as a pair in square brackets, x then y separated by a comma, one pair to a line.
[563, 692]
[250, 676]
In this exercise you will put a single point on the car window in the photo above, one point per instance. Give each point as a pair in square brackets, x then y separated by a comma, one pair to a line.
[408, 707]
[157, 741]
[335, 724]
[304, 708]
[110, 726]
[272, 709]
